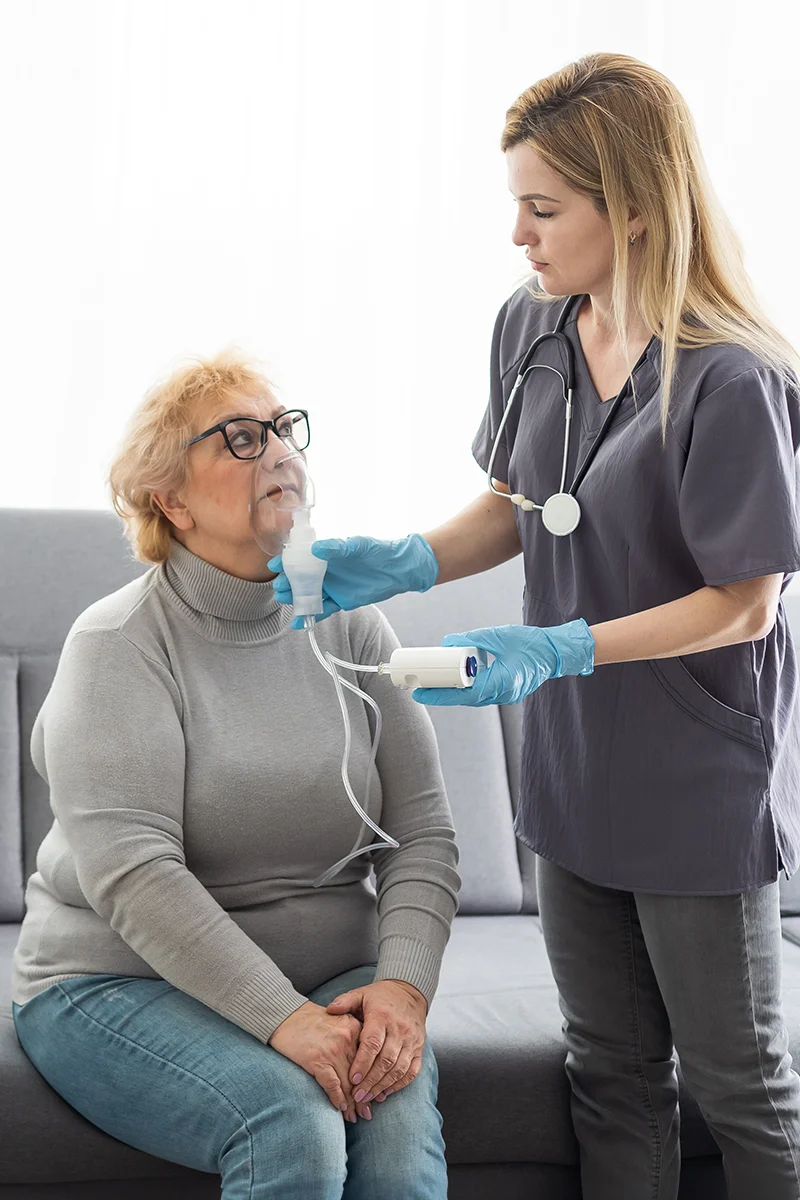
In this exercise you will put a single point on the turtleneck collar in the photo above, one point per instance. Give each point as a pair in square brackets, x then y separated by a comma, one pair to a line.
[219, 605]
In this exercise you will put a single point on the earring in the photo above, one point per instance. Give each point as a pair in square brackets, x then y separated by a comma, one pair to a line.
[632, 238]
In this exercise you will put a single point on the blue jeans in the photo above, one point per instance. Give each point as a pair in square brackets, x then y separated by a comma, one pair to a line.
[160, 1071]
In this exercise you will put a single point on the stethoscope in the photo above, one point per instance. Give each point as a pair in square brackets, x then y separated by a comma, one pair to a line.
[561, 512]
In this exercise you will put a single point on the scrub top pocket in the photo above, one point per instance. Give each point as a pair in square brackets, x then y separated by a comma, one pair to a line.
[698, 774]
[678, 681]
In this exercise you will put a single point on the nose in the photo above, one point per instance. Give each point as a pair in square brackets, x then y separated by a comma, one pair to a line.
[275, 453]
[522, 233]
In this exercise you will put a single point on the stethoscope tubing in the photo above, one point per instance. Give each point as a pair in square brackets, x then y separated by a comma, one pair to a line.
[525, 366]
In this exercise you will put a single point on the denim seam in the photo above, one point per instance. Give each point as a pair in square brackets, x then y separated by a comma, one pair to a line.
[743, 906]
[175, 1066]
[638, 1060]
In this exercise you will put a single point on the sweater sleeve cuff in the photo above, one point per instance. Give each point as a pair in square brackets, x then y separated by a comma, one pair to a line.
[261, 1003]
[411, 961]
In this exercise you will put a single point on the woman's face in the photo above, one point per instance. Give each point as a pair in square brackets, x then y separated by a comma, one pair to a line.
[211, 513]
[567, 241]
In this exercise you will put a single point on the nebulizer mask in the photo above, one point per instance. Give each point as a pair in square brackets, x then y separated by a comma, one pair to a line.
[281, 499]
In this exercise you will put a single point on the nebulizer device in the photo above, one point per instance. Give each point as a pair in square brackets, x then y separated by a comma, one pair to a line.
[282, 496]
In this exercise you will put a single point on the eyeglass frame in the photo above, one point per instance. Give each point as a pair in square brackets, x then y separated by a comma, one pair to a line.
[265, 425]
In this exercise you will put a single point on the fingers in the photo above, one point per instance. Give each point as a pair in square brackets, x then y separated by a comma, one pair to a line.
[393, 1080]
[371, 1043]
[488, 688]
[350, 547]
[332, 1070]
[472, 637]
[327, 548]
[282, 589]
[459, 639]
[409, 1077]
[348, 1002]
[447, 697]
[336, 1089]
[390, 1066]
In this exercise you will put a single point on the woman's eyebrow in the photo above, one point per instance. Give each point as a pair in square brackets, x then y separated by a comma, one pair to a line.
[539, 196]
[231, 416]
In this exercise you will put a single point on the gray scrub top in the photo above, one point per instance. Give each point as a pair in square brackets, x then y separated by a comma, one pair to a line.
[678, 775]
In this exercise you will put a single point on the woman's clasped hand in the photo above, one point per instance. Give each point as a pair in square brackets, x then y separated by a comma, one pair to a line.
[324, 1046]
[367, 1044]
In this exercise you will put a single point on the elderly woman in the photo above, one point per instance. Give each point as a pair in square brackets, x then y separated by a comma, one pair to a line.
[176, 974]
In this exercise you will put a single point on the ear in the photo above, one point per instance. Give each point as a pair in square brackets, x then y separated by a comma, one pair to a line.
[174, 509]
[636, 224]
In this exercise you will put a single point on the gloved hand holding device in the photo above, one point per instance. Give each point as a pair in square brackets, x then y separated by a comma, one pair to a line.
[364, 570]
[525, 656]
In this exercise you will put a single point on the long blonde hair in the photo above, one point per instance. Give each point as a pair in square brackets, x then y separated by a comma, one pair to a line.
[153, 455]
[620, 133]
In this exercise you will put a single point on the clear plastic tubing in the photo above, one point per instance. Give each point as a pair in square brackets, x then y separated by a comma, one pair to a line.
[330, 663]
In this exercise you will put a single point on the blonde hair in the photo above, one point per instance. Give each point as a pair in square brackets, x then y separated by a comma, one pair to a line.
[153, 455]
[620, 133]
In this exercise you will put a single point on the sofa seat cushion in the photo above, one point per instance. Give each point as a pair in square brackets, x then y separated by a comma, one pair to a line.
[495, 1026]
[791, 930]
[43, 1139]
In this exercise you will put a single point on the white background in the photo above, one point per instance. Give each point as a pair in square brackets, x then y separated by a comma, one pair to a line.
[320, 184]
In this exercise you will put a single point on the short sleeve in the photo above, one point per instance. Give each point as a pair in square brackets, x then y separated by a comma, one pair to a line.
[738, 501]
[485, 437]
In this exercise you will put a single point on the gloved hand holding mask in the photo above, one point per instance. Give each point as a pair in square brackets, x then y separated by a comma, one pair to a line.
[364, 570]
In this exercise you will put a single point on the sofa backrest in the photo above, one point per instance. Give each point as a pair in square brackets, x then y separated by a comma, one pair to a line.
[53, 564]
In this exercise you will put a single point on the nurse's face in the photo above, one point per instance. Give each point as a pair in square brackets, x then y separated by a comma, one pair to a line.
[567, 241]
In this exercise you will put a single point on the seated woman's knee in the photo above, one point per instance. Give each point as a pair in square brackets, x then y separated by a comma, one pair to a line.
[298, 1125]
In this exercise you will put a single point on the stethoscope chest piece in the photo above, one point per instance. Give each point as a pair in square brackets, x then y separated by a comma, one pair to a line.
[561, 513]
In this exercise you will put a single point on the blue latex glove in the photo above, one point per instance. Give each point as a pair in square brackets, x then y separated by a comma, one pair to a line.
[525, 656]
[363, 570]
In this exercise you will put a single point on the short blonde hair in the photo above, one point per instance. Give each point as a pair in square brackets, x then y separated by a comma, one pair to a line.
[152, 456]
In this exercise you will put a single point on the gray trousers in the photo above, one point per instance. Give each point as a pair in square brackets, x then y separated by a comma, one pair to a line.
[638, 974]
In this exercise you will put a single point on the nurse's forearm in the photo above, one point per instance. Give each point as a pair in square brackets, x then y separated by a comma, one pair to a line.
[704, 620]
[481, 536]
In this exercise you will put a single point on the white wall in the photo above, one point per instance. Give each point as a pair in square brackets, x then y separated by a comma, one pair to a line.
[320, 184]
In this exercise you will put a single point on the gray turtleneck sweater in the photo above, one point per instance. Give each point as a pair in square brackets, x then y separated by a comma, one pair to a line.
[192, 744]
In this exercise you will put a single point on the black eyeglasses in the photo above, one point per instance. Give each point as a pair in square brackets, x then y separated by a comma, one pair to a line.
[246, 437]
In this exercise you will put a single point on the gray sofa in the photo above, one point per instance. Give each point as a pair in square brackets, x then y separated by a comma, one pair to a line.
[495, 1024]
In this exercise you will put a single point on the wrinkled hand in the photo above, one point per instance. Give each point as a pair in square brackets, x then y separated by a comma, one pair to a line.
[525, 657]
[364, 570]
[324, 1045]
[389, 1057]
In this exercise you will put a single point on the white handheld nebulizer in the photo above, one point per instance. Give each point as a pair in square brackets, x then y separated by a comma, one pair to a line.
[303, 570]
[282, 492]
[435, 666]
